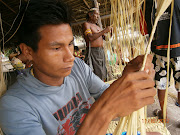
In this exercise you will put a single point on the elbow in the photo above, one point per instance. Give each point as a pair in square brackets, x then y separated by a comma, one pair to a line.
[91, 38]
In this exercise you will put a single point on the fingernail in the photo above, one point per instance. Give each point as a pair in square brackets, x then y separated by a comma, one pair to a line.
[147, 70]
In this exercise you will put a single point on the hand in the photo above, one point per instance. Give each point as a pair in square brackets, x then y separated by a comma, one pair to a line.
[107, 29]
[28, 64]
[153, 133]
[136, 64]
[129, 93]
[134, 90]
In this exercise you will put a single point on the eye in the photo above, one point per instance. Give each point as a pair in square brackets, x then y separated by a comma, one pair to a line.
[56, 49]
[72, 43]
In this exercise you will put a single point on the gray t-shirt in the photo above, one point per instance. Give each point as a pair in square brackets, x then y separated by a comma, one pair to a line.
[31, 107]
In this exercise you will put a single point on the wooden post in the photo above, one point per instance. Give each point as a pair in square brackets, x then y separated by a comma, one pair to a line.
[96, 4]
[6, 23]
[86, 4]
[81, 22]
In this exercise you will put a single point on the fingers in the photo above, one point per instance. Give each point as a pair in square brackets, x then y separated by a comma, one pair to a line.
[147, 101]
[135, 85]
[153, 133]
[151, 92]
[138, 104]
[139, 60]
[142, 85]
[150, 57]
[129, 76]
[140, 75]
[143, 98]
[151, 71]
[136, 64]
[149, 64]
[132, 91]
[132, 80]
[108, 29]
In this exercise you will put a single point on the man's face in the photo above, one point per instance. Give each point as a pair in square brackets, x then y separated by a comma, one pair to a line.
[95, 16]
[54, 58]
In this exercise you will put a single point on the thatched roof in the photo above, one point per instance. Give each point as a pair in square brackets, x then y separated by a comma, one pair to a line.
[9, 10]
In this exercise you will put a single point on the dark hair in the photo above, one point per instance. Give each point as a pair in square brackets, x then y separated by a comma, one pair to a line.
[38, 14]
[76, 48]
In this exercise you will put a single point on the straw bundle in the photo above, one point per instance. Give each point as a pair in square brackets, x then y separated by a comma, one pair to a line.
[152, 125]
[127, 39]
[125, 17]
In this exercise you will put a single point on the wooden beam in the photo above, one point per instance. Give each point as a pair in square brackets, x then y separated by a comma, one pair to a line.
[81, 22]
[7, 6]
[85, 2]
[6, 23]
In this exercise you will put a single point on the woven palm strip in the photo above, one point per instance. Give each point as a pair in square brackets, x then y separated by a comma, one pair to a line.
[132, 121]
[126, 40]
[152, 125]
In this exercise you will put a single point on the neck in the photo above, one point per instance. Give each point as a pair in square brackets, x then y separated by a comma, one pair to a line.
[47, 79]
[91, 21]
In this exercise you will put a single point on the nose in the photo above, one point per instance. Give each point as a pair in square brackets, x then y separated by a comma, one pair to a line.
[68, 55]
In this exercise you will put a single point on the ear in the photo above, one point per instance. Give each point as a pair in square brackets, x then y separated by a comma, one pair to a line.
[90, 14]
[27, 51]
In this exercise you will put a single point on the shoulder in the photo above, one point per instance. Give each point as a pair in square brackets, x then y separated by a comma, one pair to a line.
[13, 103]
[13, 94]
[79, 64]
[17, 100]
[86, 25]
[80, 68]
[17, 93]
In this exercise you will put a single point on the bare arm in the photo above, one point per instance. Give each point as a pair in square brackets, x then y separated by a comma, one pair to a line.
[93, 36]
[129, 93]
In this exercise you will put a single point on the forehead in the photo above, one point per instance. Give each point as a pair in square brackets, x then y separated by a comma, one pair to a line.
[96, 12]
[52, 32]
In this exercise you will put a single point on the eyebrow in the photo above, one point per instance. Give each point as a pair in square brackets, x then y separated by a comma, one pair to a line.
[58, 43]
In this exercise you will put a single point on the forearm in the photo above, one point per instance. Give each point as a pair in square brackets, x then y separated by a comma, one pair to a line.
[96, 121]
[94, 36]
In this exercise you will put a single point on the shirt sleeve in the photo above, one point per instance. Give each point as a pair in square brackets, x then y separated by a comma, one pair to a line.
[18, 119]
[95, 85]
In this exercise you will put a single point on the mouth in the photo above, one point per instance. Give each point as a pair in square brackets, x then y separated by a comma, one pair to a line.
[68, 68]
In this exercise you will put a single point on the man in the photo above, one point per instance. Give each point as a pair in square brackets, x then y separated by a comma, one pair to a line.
[93, 35]
[56, 95]
[159, 47]
[78, 52]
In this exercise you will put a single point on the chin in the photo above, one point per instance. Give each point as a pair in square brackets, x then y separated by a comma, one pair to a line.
[66, 74]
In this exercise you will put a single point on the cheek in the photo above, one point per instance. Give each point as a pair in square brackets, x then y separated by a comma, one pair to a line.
[72, 49]
[46, 58]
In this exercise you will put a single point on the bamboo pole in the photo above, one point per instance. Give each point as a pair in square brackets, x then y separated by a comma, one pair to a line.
[7, 6]
[2, 77]
[6, 23]
[168, 61]
[85, 2]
